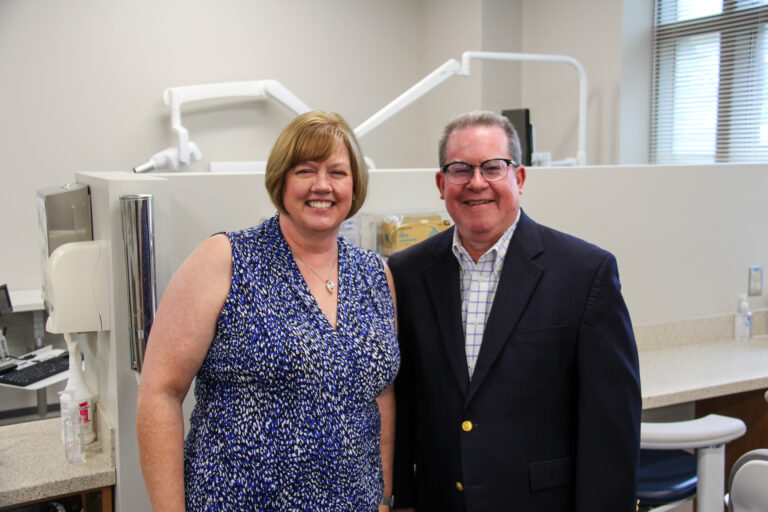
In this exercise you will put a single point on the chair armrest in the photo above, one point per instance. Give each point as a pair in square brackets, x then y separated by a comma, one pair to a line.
[710, 430]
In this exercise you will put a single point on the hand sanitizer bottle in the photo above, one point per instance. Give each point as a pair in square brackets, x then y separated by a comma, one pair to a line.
[742, 322]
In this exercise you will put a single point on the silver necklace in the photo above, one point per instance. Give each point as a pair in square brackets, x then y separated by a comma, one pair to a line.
[330, 285]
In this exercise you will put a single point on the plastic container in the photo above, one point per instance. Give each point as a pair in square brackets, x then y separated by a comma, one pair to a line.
[742, 322]
[84, 398]
[74, 448]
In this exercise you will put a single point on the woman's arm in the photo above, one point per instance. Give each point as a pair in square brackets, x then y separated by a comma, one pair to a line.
[386, 403]
[181, 334]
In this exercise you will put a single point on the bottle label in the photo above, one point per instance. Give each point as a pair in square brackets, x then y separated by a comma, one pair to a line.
[85, 421]
[85, 412]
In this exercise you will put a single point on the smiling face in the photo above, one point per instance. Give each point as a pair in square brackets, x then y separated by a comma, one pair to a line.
[482, 210]
[317, 195]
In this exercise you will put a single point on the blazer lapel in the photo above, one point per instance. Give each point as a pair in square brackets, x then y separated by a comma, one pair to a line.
[442, 282]
[519, 277]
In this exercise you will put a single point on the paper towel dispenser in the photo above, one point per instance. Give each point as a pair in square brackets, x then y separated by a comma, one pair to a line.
[77, 284]
[64, 215]
[75, 268]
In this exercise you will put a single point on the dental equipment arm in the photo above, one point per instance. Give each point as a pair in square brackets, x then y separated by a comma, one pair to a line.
[169, 158]
[188, 152]
[452, 67]
[581, 155]
[426, 84]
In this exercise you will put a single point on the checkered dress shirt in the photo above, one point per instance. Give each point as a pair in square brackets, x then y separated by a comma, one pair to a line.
[478, 283]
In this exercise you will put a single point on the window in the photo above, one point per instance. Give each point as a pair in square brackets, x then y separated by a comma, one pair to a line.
[710, 81]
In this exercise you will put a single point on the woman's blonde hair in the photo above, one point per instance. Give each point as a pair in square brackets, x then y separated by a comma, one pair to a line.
[314, 136]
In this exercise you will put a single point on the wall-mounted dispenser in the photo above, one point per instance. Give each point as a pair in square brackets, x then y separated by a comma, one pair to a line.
[77, 288]
[139, 242]
[63, 216]
[75, 268]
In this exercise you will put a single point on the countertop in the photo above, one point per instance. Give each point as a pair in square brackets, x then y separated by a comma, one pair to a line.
[697, 359]
[33, 466]
[686, 373]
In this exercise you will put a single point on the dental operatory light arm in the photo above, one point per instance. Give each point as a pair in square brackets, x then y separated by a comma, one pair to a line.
[452, 67]
[187, 152]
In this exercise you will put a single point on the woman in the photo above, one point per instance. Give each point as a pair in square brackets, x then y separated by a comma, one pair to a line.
[290, 332]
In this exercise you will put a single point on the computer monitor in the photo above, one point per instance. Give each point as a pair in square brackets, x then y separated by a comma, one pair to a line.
[521, 120]
[5, 300]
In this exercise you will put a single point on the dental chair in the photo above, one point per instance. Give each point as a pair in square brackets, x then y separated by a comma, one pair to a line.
[748, 482]
[671, 475]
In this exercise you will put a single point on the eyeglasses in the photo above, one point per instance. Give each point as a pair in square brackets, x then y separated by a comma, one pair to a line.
[494, 169]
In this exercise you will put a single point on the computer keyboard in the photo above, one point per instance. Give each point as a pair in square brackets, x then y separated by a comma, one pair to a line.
[36, 372]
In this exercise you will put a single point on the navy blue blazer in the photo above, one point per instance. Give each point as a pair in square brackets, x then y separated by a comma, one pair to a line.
[551, 418]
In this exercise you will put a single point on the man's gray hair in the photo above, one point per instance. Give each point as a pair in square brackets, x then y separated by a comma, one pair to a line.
[481, 118]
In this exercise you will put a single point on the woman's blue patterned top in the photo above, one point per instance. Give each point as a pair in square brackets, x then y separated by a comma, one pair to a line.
[286, 416]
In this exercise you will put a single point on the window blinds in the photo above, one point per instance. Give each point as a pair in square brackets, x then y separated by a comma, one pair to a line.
[710, 81]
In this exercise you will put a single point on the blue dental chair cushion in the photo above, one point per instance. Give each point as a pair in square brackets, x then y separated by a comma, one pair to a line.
[666, 476]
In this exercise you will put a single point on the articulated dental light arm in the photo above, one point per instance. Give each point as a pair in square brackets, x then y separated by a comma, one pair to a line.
[581, 155]
[452, 67]
[187, 152]
[426, 84]
[169, 159]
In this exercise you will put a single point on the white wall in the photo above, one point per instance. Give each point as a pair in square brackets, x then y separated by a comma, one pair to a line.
[502, 84]
[82, 84]
[684, 236]
[590, 31]
[635, 112]
[82, 81]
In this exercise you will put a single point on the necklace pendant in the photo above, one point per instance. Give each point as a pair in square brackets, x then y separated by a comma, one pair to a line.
[329, 284]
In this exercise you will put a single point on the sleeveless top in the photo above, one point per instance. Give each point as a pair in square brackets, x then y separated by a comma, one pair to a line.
[286, 416]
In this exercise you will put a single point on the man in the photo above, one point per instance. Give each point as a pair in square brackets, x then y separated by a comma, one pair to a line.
[519, 386]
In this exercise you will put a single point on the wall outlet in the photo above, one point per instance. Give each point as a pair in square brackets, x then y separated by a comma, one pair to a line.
[755, 280]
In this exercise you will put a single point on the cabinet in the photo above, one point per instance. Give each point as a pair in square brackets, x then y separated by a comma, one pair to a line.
[751, 408]
[92, 500]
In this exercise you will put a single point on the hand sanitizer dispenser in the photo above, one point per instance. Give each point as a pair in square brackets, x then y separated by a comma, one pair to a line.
[742, 322]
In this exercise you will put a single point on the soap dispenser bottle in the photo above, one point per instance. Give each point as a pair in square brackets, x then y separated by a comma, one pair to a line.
[84, 398]
[742, 323]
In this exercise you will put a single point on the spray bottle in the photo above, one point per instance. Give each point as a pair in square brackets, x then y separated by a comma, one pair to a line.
[84, 398]
[70, 428]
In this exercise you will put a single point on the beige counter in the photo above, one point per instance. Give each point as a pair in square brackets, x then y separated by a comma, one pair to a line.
[687, 373]
[33, 466]
[697, 359]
